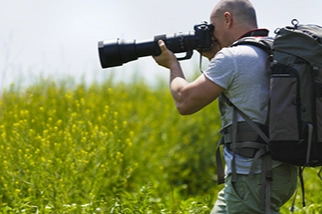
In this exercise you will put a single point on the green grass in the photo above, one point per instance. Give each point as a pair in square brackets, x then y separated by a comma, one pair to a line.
[110, 148]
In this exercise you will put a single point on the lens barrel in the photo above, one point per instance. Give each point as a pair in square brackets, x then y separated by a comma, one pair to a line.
[116, 52]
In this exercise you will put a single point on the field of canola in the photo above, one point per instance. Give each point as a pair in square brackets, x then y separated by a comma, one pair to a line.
[111, 148]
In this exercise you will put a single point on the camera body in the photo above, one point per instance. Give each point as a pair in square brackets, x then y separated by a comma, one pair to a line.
[116, 52]
[204, 33]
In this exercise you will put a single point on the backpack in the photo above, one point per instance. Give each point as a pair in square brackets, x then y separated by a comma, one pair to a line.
[295, 126]
[293, 132]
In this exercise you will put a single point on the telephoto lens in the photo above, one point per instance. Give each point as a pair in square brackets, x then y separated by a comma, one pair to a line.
[116, 52]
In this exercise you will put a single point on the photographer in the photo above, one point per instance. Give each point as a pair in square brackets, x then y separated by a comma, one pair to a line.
[240, 74]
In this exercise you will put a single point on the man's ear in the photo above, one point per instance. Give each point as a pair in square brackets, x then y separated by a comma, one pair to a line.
[228, 19]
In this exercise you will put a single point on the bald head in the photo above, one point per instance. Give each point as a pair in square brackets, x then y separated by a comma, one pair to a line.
[242, 10]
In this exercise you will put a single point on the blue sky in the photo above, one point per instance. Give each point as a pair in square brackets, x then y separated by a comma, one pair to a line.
[59, 38]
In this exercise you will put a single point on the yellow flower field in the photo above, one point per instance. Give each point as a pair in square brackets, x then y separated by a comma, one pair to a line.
[110, 148]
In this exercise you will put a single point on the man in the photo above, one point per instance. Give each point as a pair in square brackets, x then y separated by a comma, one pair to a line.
[240, 74]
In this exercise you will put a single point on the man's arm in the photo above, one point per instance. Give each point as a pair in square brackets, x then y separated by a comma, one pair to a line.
[189, 97]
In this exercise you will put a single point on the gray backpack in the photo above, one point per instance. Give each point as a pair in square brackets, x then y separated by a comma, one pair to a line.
[293, 132]
[295, 126]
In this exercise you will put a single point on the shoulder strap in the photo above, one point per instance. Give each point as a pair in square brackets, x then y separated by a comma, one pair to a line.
[265, 43]
[263, 153]
[247, 119]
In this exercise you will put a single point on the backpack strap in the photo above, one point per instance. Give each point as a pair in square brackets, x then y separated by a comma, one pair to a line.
[256, 139]
[219, 164]
[262, 153]
[265, 43]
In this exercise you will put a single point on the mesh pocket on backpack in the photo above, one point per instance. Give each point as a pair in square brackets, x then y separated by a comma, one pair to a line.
[284, 121]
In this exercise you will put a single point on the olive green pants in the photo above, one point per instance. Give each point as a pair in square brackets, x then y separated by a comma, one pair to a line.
[243, 196]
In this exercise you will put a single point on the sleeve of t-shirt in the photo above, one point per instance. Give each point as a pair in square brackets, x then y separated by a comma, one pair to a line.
[222, 68]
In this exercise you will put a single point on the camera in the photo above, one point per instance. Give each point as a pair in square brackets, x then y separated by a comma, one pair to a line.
[118, 51]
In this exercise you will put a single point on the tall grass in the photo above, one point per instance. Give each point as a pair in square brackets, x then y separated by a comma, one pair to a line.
[109, 148]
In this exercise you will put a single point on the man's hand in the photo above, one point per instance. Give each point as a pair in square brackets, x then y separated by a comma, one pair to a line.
[212, 52]
[166, 59]
[188, 97]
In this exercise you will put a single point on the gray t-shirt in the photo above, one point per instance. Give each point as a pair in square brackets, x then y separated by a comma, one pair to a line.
[242, 72]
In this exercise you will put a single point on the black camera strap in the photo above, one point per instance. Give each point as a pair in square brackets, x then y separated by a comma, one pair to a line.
[200, 63]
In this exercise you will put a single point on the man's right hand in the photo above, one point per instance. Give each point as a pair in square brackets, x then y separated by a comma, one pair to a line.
[212, 52]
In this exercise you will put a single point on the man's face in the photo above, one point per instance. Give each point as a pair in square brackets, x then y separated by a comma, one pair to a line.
[218, 32]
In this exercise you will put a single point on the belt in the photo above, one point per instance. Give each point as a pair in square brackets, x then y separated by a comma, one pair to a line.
[248, 142]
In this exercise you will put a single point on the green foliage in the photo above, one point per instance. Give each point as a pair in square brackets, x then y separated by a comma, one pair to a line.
[66, 147]
[109, 148]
